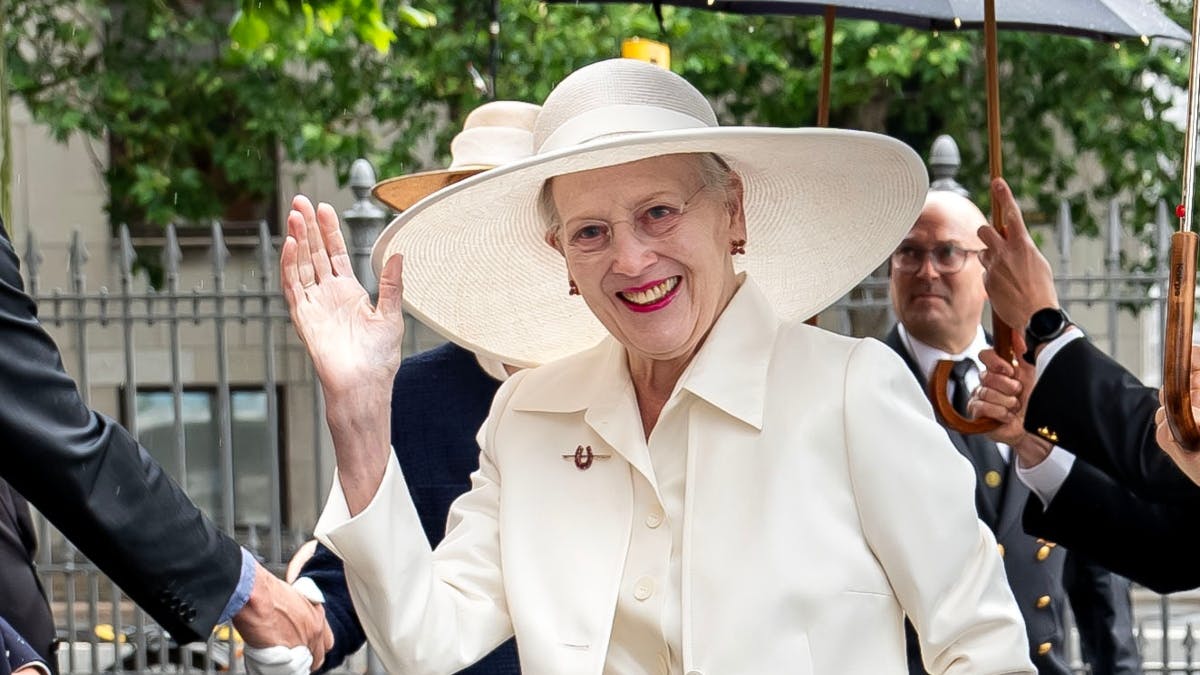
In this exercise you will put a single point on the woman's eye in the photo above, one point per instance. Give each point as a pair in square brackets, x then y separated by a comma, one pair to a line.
[589, 232]
[660, 212]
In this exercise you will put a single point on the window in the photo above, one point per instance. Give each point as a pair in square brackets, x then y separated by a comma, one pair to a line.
[202, 434]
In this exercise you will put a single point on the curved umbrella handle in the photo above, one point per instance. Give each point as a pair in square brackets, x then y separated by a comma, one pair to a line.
[1177, 361]
[939, 388]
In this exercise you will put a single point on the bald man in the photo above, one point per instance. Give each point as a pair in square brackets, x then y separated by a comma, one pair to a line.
[937, 292]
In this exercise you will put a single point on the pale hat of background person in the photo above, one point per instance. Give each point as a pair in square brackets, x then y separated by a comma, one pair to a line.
[495, 133]
[823, 208]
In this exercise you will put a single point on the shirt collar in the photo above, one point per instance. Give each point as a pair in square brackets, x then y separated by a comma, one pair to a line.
[927, 356]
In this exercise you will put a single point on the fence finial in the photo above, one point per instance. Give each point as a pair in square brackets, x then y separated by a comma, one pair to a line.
[219, 253]
[944, 163]
[172, 255]
[78, 255]
[128, 255]
[33, 262]
[365, 220]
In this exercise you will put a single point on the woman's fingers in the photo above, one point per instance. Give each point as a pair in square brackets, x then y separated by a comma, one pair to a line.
[335, 244]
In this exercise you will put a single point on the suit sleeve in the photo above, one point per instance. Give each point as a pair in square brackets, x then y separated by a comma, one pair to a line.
[1152, 543]
[427, 611]
[327, 572]
[17, 652]
[1103, 609]
[916, 499]
[90, 478]
[1104, 415]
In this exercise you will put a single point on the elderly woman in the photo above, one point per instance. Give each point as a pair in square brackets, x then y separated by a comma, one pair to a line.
[703, 484]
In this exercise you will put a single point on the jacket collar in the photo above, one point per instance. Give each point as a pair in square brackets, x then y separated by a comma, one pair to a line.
[729, 371]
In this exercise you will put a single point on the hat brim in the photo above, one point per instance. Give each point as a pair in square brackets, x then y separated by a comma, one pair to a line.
[824, 207]
[402, 192]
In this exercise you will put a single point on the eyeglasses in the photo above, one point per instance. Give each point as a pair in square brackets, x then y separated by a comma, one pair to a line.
[946, 258]
[654, 221]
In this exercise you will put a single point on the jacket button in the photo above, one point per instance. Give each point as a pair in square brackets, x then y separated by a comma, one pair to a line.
[1043, 553]
[654, 519]
[1044, 648]
[1043, 602]
[644, 588]
[992, 479]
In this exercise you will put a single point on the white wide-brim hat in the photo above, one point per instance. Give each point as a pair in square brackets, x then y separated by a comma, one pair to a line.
[823, 209]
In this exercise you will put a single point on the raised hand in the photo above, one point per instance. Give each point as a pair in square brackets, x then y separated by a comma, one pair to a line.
[354, 346]
[350, 341]
[1019, 280]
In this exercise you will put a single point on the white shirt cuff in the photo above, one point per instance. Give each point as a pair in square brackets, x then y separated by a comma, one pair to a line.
[1051, 349]
[1045, 479]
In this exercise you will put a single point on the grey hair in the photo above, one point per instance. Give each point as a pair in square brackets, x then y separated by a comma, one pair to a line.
[715, 172]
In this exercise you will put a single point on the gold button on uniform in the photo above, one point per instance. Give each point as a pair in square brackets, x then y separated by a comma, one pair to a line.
[1048, 434]
[1000, 547]
[1043, 553]
[1043, 602]
[1044, 648]
[992, 479]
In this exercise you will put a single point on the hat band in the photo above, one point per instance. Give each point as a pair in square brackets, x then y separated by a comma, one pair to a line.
[617, 119]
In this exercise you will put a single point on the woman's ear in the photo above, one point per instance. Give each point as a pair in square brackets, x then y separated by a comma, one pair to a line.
[552, 240]
[737, 211]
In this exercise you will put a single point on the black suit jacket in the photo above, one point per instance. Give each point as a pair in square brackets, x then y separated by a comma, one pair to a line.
[1124, 503]
[1040, 582]
[22, 600]
[90, 478]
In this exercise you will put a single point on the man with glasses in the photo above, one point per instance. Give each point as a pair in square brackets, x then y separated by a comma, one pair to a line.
[938, 295]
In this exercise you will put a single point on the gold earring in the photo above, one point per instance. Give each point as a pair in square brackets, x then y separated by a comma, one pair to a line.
[737, 247]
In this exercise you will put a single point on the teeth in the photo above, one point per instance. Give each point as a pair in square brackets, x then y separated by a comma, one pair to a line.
[652, 295]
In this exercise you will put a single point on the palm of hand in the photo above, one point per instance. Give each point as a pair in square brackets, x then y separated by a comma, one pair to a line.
[351, 342]
[348, 338]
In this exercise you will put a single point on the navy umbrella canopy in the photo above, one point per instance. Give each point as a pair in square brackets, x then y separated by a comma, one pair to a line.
[1096, 19]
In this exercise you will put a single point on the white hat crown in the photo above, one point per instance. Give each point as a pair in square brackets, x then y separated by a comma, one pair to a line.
[618, 96]
[495, 133]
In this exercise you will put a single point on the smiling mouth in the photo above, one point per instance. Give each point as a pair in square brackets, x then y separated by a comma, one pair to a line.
[647, 297]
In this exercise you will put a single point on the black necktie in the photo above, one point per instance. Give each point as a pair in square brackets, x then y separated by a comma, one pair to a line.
[989, 465]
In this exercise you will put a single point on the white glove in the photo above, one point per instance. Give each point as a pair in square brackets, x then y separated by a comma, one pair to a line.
[285, 660]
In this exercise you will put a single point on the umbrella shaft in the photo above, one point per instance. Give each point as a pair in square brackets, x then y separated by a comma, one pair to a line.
[1189, 140]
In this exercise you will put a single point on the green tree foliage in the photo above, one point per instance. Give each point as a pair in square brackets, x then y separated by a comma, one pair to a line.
[196, 121]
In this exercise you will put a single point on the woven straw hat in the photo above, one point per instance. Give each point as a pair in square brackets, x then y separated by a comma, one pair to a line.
[823, 208]
[495, 133]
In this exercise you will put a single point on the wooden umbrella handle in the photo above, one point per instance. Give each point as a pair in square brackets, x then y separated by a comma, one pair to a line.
[939, 388]
[1177, 361]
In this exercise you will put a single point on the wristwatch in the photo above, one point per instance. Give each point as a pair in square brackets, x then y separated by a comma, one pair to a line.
[1044, 326]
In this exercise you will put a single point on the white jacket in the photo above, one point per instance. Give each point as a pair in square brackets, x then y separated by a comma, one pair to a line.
[823, 502]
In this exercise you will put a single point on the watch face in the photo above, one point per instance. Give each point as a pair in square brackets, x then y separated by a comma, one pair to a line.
[1046, 322]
